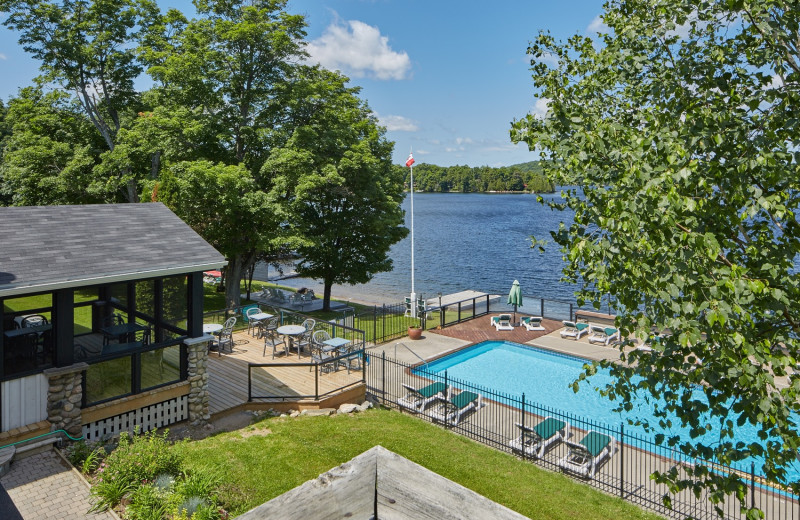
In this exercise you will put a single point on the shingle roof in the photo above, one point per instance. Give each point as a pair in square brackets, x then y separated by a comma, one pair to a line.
[48, 247]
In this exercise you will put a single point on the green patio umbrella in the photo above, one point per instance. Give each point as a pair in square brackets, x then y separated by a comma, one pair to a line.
[515, 297]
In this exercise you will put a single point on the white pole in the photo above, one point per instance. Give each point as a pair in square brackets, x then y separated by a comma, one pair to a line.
[413, 293]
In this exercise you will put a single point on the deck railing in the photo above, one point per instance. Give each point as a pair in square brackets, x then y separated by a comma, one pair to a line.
[264, 380]
[626, 473]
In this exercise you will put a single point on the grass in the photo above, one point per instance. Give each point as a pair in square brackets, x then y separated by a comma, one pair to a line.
[275, 455]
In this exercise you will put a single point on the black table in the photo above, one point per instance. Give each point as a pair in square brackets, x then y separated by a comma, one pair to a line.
[38, 329]
[122, 333]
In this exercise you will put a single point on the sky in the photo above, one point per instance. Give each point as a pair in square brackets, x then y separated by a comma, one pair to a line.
[445, 78]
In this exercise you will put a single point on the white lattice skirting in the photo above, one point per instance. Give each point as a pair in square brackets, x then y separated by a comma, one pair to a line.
[147, 418]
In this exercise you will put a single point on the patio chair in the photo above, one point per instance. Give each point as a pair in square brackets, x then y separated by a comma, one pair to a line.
[33, 320]
[604, 335]
[574, 330]
[416, 399]
[309, 324]
[246, 313]
[225, 338]
[502, 322]
[585, 457]
[265, 325]
[533, 442]
[273, 339]
[532, 322]
[453, 409]
[318, 355]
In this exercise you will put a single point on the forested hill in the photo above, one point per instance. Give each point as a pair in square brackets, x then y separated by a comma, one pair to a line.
[525, 177]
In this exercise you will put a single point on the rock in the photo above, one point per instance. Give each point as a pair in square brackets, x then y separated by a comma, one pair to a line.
[321, 411]
[294, 413]
[348, 408]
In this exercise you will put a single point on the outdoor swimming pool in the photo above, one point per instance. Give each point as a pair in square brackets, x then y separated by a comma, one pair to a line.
[546, 378]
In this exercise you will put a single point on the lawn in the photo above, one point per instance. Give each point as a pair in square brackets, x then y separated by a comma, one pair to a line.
[274, 455]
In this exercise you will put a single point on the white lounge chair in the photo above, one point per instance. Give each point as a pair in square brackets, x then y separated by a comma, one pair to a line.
[534, 441]
[574, 330]
[451, 410]
[532, 322]
[416, 399]
[604, 335]
[502, 322]
[584, 457]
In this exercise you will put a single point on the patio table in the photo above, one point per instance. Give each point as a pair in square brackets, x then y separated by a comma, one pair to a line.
[335, 344]
[123, 332]
[211, 328]
[290, 331]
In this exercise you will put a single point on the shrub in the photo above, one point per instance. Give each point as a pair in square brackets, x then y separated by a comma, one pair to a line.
[147, 503]
[139, 459]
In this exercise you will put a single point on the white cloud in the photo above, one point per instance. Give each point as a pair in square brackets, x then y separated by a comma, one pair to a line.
[398, 124]
[359, 50]
[777, 82]
[540, 108]
[597, 25]
[3, 56]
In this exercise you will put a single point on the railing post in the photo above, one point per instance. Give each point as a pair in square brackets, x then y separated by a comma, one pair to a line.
[375, 324]
[316, 381]
[383, 327]
[752, 485]
[621, 461]
[522, 431]
[459, 312]
[441, 316]
[542, 308]
[383, 377]
[570, 312]
[249, 383]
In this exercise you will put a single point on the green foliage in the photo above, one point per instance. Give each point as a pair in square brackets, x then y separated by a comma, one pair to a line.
[147, 502]
[334, 179]
[140, 458]
[678, 124]
[84, 456]
[520, 177]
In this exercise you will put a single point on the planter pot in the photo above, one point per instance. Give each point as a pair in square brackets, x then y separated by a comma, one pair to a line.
[414, 332]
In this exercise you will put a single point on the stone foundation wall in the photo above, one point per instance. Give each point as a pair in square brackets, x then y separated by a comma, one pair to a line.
[64, 397]
[199, 414]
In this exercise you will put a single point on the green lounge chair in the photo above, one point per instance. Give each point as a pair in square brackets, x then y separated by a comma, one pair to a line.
[451, 410]
[585, 457]
[534, 441]
[574, 330]
[416, 399]
[604, 335]
[532, 322]
[502, 322]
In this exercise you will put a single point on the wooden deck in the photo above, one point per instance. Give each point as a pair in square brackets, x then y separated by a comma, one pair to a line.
[480, 329]
[227, 376]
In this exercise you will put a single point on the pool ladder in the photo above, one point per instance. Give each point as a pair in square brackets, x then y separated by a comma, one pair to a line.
[409, 349]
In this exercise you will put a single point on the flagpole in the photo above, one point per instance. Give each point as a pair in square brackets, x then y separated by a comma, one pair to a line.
[413, 292]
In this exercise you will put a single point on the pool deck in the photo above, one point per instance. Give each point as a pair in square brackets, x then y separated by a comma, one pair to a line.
[497, 420]
[438, 342]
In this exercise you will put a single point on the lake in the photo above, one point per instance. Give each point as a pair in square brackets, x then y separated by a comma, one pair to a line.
[477, 241]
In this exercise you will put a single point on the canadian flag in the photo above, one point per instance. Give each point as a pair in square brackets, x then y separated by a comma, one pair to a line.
[410, 160]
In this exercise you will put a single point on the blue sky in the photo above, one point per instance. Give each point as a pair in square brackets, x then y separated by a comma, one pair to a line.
[446, 78]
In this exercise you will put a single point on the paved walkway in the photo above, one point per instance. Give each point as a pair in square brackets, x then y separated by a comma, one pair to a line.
[42, 487]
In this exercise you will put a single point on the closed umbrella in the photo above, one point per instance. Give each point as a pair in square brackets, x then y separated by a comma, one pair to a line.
[515, 297]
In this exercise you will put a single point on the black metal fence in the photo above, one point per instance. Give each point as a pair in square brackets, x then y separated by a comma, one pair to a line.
[625, 469]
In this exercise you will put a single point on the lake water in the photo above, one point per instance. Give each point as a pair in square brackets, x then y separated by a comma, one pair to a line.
[477, 241]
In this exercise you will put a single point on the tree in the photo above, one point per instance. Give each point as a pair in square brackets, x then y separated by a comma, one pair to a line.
[219, 82]
[337, 184]
[679, 123]
[51, 151]
[87, 48]
[222, 204]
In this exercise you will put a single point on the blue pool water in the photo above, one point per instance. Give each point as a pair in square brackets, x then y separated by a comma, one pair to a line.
[546, 378]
